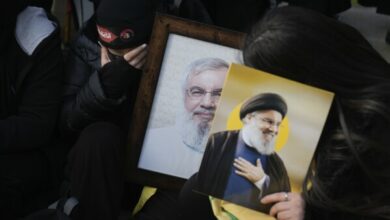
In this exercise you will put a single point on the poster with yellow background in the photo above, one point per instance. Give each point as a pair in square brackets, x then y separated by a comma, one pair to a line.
[299, 131]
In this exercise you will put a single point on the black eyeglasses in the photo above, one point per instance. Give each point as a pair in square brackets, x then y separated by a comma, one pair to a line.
[197, 93]
[269, 122]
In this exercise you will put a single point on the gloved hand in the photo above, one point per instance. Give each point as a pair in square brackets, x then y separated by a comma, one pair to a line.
[116, 76]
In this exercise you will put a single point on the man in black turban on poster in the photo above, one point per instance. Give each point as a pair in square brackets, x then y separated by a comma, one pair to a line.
[241, 166]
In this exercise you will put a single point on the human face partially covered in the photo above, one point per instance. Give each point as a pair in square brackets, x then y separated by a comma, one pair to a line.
[261, 128]
[135, 57]
[202, 95]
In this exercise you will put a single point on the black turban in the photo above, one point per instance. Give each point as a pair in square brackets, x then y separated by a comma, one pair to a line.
[264, 101]
[124, 23]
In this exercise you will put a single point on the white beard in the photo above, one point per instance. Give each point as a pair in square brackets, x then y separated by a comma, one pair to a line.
[194, 135]
[252, 137]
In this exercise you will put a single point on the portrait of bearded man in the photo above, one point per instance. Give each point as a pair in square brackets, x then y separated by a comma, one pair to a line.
[177, 150]
[241, 166]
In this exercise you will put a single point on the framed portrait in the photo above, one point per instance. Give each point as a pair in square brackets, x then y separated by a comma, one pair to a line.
[263, 138]
[179, 91]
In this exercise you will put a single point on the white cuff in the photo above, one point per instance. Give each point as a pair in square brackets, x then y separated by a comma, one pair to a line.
[260, 183]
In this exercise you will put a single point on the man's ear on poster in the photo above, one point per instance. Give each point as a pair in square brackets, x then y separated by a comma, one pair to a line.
[234, 123]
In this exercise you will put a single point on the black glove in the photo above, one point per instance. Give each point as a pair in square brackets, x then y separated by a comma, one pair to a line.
[116, 77]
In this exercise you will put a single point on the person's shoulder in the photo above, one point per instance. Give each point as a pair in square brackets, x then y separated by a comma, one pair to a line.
[225, 134]
[32, 27]
[85, 43]
[275, 157]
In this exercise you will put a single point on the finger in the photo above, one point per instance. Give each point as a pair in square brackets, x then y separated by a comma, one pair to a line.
[279, 207]
[239, 162]
[283, 215]
[140, 65]
[243, 174]
[247, 163]
[275, 197]
[134, 62]
[243, 161]
[134, 53]
[258, 163]
[243, 166]
[240, 167]
[104, 55]
[103, 49]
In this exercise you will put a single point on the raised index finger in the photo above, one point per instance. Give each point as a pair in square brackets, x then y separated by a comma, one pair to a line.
[104, 56]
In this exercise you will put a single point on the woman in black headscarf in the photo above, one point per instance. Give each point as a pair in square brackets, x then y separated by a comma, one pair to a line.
[350, 177]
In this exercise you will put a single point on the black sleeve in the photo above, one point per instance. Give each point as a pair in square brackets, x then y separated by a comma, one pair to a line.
[213, 171]
[206, 167]
[193, 205]
[85, 97]
[279, 180]
[116, 76]
[40, 99]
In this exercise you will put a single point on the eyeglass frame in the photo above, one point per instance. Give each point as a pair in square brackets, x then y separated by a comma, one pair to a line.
[269, 122]
[214, 95]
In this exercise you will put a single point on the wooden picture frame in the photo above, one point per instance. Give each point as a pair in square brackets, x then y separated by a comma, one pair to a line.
[165, 28]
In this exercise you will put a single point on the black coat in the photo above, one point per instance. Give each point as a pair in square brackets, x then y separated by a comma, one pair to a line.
[35, 96]
[85, 100]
